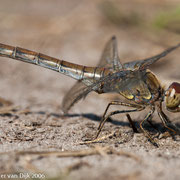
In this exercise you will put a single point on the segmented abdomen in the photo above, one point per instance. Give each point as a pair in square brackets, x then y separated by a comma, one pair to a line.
[75, 71]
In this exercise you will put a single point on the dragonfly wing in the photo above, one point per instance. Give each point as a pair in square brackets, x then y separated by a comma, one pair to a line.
[110, 58]
[109, 83]
[128, 83]
[76, 93]
[145, 63]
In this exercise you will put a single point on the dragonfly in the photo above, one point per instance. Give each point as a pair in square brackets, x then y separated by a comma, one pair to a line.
[132, 80]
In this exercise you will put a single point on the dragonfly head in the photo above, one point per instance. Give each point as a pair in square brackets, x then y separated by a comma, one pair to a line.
[172, 97]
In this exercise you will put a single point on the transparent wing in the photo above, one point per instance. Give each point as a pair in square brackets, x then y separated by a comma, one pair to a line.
[143, 64]
[74, 95]
[109, 59]
[121, 82]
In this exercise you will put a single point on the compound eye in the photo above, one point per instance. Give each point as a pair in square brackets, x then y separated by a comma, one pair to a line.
[173, 97]
[173, 93]
[175, 86]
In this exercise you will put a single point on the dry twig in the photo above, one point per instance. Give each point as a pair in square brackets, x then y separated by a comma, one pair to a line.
[98, 139]
[80, 153]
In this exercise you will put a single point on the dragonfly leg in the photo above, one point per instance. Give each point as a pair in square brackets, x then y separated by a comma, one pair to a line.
[166, 122]
[148, 116]
[104, 119]
[131, 123]
[134, 127]
[117, 103]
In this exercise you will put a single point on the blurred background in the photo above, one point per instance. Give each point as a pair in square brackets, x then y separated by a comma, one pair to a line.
[76, 31]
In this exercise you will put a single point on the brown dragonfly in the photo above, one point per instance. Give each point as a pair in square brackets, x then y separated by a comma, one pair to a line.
[133, 80]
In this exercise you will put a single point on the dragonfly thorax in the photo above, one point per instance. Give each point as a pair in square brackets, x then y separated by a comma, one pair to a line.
[143, 89]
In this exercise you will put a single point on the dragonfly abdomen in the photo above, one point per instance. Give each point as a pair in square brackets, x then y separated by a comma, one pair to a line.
[75, 71]
[29, 56]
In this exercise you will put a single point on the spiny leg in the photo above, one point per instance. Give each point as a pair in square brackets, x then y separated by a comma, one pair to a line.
[131, 123]
[113, 113]
[148, 116]
[166, 122]
[134, 127]
[153, 126]
[117, 103]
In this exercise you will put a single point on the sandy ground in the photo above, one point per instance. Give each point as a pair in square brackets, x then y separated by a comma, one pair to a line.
[76, 31]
